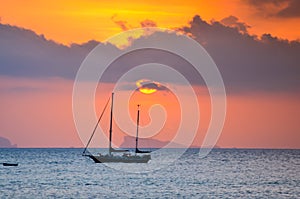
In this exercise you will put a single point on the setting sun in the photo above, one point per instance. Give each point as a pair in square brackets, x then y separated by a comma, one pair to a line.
[147, 90]
[147, 86]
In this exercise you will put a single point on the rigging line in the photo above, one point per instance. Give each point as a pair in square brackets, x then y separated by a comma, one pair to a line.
[96, 127]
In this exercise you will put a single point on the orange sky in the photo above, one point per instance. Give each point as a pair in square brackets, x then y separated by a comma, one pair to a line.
[67, 21]
[258, 120]
[38, 112]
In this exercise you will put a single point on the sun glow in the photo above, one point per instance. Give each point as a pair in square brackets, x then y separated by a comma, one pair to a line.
[147, 86]
[147, 90]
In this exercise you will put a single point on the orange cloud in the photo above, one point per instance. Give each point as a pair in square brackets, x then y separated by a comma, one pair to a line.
[148, 23]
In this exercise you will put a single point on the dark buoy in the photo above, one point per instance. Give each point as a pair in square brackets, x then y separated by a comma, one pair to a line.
[10, 164]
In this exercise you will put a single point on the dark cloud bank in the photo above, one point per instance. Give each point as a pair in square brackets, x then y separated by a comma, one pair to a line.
[247, 63]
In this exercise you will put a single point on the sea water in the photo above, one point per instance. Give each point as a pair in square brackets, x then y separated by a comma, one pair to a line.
[224, 173]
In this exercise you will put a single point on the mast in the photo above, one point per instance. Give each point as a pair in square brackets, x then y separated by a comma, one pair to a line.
[137, 129]
[110, 124]
[137, 133]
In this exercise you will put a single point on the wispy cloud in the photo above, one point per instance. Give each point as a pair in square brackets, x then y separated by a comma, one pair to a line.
[148, 23]
[121, 23]
[277, 8]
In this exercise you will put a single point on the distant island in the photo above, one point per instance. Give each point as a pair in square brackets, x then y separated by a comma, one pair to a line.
[5, 143]
[129, 142]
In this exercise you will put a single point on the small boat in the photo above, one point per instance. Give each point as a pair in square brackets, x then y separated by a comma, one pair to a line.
[10, 164]
[113, 156]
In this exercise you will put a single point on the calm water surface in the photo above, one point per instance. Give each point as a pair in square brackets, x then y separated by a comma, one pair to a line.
[224, 173]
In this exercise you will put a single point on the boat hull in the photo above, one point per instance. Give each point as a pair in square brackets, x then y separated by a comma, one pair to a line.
[122, 159]
[10, 164]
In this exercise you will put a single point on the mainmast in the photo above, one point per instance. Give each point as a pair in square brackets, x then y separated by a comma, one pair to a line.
[111, 120]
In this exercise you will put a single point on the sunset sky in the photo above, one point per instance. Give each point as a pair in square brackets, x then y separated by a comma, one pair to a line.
[80, 20]
[255, 44]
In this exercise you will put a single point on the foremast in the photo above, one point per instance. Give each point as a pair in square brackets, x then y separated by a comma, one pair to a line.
[110, 124]
[137, 133]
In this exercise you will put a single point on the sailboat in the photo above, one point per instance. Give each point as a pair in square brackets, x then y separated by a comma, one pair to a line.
[112, 156]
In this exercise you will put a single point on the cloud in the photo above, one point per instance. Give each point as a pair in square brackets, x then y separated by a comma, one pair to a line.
[293, 10]
[122, 24]
[247, 63]
[143, 84]
[233, 21]
[277, 8]
[264, 2]
[23, 53]
[148, 23]
[125, 26]
[154, 85]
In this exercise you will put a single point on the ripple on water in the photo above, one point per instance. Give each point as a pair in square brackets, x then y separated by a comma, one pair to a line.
[64, 173]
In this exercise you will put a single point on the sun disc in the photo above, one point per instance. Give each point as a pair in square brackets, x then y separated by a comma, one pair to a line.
[147, 90]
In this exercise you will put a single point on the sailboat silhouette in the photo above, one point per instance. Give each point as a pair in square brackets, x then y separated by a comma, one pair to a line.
[112, 155]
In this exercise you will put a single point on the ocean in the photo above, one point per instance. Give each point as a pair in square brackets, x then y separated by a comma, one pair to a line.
[224, 173]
